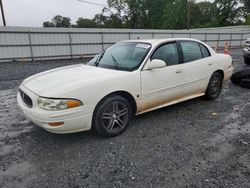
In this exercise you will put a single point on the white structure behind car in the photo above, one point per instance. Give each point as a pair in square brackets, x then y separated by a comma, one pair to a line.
[129, 78]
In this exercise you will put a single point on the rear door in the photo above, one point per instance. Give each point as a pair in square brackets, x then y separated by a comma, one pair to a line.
[198, 67]
[163, 85]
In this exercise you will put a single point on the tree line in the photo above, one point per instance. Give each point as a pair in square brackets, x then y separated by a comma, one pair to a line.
[162, 14]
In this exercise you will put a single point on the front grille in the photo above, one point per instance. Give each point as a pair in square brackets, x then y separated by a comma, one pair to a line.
[26, 99]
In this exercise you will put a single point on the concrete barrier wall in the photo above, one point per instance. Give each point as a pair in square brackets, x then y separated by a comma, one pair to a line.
[17, 43]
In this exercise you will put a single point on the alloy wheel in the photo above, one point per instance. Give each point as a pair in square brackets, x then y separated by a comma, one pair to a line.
[215, 84]
[115, 117]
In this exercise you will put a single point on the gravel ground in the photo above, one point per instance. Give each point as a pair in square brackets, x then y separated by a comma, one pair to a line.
[197, 143]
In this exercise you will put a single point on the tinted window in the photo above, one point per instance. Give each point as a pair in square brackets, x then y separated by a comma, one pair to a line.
[205, 51]
[191, 51]
[167, 53]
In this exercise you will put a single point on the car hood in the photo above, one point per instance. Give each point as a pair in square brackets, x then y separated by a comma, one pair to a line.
[55, 82]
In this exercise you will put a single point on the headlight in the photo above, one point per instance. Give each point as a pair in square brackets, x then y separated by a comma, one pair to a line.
[57, 104]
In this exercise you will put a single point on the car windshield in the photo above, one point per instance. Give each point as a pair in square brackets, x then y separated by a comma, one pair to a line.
[126, 56]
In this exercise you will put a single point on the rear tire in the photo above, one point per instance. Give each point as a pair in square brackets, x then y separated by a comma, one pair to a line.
[214, 86]
[247, 61]
[112, 116]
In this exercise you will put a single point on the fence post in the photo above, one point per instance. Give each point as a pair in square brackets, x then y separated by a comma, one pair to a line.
[153, 35]
[231, 37]
[31, 48]
[102, 41]
[129, 35]
[218, 41]
[70, 45]
[241, 40]
[205, 37]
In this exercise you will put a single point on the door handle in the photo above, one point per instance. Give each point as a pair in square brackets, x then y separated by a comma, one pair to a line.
[178, 71]
[210, 64]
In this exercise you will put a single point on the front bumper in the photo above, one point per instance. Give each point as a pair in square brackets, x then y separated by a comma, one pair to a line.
[246, 53]
[75, 119]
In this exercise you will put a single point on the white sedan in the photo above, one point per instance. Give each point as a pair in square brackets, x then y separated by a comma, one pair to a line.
[126, 79]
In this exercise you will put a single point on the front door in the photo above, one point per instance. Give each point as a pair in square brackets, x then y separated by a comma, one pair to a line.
[163, 85]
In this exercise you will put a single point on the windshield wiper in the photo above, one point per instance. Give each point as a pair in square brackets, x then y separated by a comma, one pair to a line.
[100, 56]
[115, 61]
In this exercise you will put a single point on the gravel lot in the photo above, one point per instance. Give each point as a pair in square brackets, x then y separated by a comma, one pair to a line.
[197, 143]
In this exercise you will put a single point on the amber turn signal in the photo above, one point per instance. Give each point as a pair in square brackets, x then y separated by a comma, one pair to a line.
[73, 103]
[56, 124]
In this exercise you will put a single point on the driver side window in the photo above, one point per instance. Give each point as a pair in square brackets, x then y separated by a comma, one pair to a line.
[167, 53]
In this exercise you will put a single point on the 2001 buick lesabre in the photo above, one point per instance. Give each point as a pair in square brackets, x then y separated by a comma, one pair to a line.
[126, 79]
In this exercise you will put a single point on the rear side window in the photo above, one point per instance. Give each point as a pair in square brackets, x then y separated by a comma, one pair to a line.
[191, 51]
[167, 53]
[205, 51]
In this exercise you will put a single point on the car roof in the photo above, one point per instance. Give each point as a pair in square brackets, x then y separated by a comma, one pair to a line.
[158, 41]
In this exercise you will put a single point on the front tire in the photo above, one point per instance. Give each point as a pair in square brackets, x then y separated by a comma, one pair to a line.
[112, 116]
[214, 86]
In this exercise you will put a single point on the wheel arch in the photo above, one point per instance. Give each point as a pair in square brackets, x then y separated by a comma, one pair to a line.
[121, 93]
[219, 71]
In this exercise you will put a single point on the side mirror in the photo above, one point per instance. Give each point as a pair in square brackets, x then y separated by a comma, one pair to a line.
[155, 64]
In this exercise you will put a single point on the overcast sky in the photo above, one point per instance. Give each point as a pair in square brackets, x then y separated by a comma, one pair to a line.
[35, 12]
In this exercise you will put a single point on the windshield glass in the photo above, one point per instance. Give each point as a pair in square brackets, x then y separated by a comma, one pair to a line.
[126, 56]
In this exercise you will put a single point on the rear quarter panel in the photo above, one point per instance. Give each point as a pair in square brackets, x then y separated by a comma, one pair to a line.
[225, 63]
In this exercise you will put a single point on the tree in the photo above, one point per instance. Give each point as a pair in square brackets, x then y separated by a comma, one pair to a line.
[229, 12]
[246, 9]
[206, 16]
[175, 14]
[85, 23]
[134, 13]
[162, 14]
[246, 5]
[58, 21]
[115, 11]
[155, 12]
[48, 24]
[101, 20]
[137, 14]
[248, 20]
[171, 17]
[116, 7]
